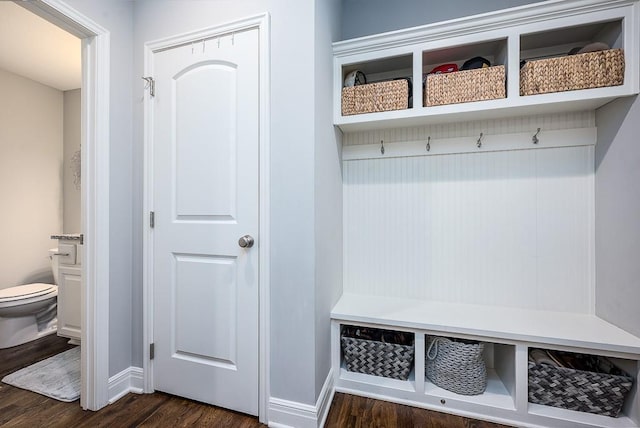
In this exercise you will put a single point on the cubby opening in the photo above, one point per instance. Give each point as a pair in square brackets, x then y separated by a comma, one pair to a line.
[493, 50]
[569, 59]
[499, 360]
[582, 386]
[378, 355]
[383, 69]
[559, 42]
[380, 85]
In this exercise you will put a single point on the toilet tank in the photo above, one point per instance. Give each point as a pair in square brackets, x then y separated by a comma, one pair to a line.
[54, 264]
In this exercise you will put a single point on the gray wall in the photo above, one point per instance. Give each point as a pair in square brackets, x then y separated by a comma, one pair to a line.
[366, 17]
[30, 178]
[617, 202]
[71, 191]
[117, 17]
[327, 186]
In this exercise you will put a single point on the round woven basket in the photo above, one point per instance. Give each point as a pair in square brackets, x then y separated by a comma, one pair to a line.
[456, 366]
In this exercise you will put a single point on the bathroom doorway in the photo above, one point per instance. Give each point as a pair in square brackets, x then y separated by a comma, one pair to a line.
[93, 168]
[40, 76]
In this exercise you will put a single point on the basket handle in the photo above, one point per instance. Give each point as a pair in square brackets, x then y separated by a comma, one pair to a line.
[433, 346]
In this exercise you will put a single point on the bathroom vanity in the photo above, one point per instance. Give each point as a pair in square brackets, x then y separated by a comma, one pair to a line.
[69, 262]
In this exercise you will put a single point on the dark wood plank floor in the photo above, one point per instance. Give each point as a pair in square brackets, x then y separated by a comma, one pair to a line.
[12, 359]
[19, 408]
[349, 411]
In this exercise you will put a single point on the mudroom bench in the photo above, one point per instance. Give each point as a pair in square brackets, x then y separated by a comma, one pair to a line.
[507, 334]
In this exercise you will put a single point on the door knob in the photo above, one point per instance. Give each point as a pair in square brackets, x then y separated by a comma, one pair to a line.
[246, 241]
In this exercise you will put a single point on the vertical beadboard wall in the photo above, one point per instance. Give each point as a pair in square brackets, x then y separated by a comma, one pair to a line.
[510, 228]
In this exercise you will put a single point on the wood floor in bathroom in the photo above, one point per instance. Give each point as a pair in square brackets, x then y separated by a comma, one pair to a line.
[19, 408]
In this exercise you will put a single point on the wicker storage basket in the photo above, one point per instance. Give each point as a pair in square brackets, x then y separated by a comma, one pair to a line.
[456, 366]
[569, 73]
[374, 97]
[465, 86]
[376, 357]
[580, 390]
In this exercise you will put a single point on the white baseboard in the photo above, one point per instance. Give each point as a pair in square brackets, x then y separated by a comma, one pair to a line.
[325, 399]
[288, 414]
[128, 380]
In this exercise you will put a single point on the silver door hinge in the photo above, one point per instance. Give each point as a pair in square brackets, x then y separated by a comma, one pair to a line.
[152, 219]
[151, 85]
[152, 351]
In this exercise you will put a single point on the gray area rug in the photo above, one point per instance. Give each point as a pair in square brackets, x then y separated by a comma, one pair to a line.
[56, 377]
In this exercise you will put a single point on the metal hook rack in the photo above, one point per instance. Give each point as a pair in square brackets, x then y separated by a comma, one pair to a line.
[375, 148]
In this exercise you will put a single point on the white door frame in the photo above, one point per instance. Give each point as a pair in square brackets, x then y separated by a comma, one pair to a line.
[94, 195]
[261, 22]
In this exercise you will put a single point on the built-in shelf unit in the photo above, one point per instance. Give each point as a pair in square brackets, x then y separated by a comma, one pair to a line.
[505, 38]
[476, 220]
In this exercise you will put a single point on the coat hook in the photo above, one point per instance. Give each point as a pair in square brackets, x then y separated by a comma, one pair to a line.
[192, 48]
[382, 147]
[150, 84]
[479, 143]
[429, 143]
[535, 139]
[203, 41]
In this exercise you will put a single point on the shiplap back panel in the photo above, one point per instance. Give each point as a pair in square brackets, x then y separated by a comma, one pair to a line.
[511, 228]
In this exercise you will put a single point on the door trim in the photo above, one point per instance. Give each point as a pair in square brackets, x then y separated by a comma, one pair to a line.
[260, 22]
[94, 195]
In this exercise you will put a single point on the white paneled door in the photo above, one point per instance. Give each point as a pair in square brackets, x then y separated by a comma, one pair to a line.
[205, 199]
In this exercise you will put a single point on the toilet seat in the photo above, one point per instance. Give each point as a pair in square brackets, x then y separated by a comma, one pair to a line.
[27, 291]
[27, 312]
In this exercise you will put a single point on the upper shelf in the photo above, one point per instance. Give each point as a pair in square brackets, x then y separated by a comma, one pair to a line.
[505, 38]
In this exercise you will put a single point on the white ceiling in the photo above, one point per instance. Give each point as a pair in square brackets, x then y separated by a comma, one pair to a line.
[34, 48]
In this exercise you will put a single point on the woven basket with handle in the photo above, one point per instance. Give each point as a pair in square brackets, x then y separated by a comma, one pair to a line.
[456, 366]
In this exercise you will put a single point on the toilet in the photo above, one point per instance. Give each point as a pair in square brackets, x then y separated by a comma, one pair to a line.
[28, 312]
